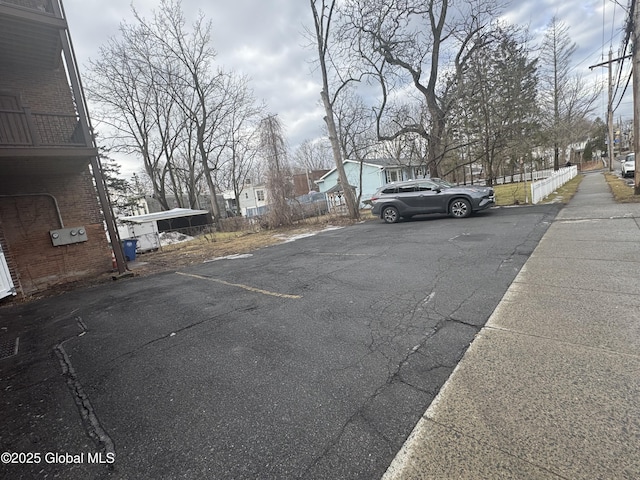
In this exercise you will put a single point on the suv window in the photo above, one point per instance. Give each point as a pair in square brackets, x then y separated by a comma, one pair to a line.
[406, 189]
[390, 190]
[427, 186]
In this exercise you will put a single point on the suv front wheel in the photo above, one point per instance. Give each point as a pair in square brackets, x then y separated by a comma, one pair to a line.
[390, 214]
[460, 208]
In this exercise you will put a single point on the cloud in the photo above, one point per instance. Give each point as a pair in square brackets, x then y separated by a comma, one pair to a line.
[266, 41]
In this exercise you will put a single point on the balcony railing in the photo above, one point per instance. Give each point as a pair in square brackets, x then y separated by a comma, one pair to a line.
[22, 128]
[40, 5]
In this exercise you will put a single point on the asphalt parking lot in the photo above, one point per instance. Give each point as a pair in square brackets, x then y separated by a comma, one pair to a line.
[309, 359]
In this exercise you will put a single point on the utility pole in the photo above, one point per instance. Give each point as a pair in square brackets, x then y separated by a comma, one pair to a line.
[610, 114]
[609, 63]
[636, 91]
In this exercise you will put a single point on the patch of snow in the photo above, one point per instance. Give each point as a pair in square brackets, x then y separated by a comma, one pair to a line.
[170, 238]
[230, 257]
[293, 238]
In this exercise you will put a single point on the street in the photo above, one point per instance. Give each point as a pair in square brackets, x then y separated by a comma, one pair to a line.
[312, 359]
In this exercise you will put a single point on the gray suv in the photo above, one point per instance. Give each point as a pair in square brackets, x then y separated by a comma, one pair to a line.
[417, 197]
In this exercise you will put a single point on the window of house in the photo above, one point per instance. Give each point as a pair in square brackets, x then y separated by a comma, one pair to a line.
[260, 195]
[419, 172]
[392, 175]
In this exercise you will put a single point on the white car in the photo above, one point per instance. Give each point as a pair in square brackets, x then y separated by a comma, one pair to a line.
[629, 165]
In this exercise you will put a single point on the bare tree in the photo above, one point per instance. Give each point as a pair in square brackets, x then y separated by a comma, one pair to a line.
[201, 89]
[242, 143]
[273, 148]
[565, 97]
[313, 155]
[323, 18]
[189, 167]
[166, 100]
[356, 127]
[425, 45]
[122, 82]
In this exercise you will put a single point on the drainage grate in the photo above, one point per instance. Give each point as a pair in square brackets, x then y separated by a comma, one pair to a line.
[8, 348]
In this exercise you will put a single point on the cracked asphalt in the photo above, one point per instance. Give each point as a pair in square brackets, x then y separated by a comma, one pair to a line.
[312, 359]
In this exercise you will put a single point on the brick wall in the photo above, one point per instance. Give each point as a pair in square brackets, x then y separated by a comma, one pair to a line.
[28, 217]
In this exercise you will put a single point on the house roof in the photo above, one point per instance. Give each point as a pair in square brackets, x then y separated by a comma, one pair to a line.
[380, 163]
[338, 188]
[174, 213]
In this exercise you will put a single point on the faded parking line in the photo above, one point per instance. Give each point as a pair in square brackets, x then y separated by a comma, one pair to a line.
[239, 285]
[337, 254]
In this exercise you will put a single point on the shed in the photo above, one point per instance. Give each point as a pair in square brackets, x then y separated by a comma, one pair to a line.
[147, 228]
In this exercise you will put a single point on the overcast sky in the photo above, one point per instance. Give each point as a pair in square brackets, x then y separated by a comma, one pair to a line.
[264, 40]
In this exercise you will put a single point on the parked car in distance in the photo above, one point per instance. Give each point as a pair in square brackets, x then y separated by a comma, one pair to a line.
[628, 165]
[418, 197]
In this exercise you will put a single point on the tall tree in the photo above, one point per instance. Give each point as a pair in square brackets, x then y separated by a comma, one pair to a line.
[565, 97]
[200, 89]
[273, 148]
[242, 143]
[123, 84]
[420, 47]
[323, 20]
[356, 127]
[119, 189]
[498, 94]
[166, 100]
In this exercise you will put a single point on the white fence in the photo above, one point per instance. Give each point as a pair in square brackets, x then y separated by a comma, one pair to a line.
[529, 176]
[542, 188]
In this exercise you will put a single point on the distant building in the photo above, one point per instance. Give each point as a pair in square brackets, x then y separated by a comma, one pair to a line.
[304, 183]
[253, 200]
[375, 173]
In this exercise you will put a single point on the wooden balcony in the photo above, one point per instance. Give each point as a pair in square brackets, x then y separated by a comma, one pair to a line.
[33, 142]
[30, 33]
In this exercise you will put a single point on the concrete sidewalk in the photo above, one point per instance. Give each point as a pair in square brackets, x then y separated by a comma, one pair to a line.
[550, 388]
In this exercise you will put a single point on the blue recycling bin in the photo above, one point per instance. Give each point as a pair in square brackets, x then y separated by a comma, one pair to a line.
[129, 246]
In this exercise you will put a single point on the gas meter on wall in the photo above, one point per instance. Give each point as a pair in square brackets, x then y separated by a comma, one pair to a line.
[68, 236]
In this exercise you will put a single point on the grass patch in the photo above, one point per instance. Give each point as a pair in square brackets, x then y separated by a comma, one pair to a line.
[565, 192]
[221, 244]
[512, 194]
[621, 190]
[515, 193]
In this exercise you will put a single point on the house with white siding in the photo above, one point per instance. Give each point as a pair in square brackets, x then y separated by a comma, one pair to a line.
[375, 173]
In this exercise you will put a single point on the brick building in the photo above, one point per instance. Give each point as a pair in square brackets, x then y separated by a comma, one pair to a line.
[52, 199]
[304, 183]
